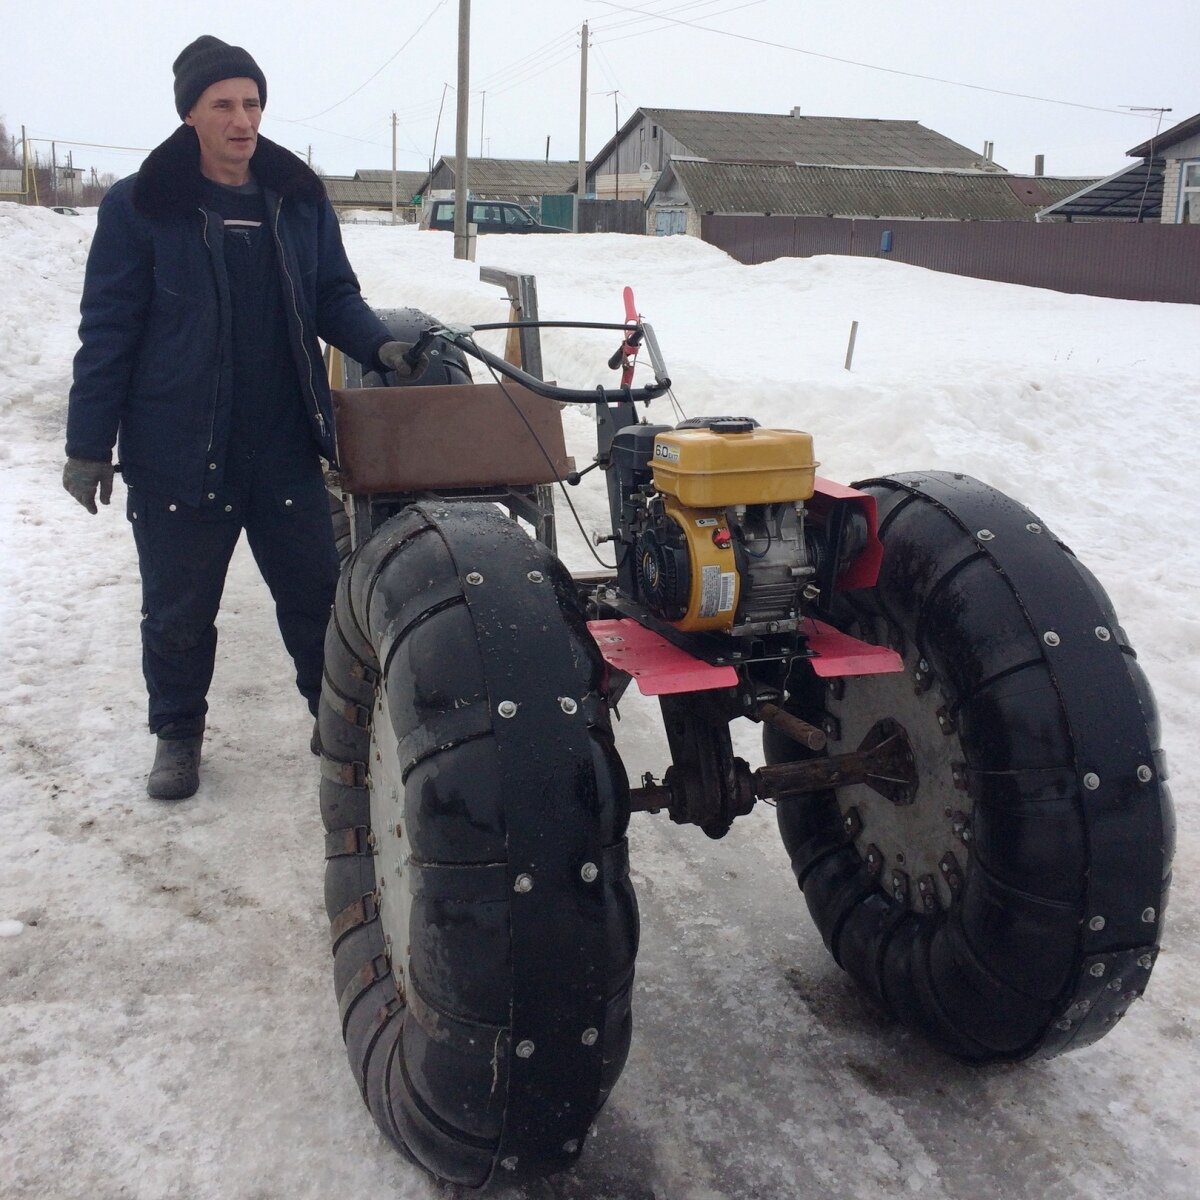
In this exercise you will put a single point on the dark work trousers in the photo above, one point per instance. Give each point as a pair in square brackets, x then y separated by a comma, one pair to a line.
[184, 554]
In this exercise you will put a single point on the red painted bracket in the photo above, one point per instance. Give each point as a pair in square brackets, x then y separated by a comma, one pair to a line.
[838, 653]
[660, 668]
[663, 669]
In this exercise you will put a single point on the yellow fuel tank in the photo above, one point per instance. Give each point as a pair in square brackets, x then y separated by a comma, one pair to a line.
[730, 464]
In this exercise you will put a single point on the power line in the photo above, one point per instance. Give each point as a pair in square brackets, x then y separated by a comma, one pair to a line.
[406, 44]
[851, 62]
[91, 145]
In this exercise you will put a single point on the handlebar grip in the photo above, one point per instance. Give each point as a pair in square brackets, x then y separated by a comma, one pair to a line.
[630, 344]
[414, 356]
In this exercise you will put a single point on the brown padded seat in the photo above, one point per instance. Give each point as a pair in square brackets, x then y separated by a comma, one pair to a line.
[411, 439]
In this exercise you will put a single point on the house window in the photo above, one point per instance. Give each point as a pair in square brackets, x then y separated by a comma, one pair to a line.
[653, 131]
[1189, 193]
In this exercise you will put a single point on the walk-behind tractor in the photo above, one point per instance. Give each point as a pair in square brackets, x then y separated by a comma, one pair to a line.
[960, 744]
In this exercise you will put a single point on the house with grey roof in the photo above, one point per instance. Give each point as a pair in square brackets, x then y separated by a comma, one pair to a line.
[1161, 186]
[685, 163]
[630, 164]
[689, 189]
[372, 190]
[524, 180]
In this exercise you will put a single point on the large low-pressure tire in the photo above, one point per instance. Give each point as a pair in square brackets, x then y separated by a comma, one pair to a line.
[1010, 905]
[484, 926]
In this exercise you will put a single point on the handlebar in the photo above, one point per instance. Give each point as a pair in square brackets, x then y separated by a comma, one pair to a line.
[463, 337]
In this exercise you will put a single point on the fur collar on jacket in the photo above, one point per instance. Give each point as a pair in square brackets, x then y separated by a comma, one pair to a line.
[170, 184]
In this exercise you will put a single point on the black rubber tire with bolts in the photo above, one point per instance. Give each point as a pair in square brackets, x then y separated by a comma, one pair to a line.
[1036, 745]
[484, 925]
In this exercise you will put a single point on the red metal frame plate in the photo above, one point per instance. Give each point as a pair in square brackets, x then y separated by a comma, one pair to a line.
[660, 668]
[840, 654]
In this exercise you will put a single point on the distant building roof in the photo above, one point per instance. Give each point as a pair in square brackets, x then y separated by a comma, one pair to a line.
[515, 176]
[790, 137]
[407, 182]
[357, 193]
[1134, 193]
[1168, 137]
[803, 189]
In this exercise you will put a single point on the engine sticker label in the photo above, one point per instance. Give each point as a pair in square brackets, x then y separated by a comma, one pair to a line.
[667, 453]
[716, 591]
[705, 522]
[727, 581]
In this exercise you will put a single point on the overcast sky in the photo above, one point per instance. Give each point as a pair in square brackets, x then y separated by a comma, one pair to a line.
[100, 71]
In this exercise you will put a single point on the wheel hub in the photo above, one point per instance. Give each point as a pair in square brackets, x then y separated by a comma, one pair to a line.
[387, 831]
[914, 839]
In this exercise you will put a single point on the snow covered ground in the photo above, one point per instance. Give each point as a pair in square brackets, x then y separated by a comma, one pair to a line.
[167, 1020]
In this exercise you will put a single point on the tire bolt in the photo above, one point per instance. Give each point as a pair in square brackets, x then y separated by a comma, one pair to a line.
[525, 1049]
[506, 708]
[589, 872]
[523, 883]
[474, 578]
[590, 1037]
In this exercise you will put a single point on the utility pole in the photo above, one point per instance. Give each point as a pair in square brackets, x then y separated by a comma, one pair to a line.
[24, 164]
[581, 180]
[617, 144]
[461, 248]
[482, 116]
[310, 155]
[393, 168]
[54, 172]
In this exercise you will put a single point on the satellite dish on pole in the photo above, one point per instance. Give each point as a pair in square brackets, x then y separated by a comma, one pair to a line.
[645, 172]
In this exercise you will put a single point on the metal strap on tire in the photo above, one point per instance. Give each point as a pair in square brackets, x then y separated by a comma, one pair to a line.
[353, 916]
[342, 843]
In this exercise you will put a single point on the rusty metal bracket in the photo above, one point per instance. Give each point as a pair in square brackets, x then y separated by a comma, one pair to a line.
[883, 762]
[792, 726]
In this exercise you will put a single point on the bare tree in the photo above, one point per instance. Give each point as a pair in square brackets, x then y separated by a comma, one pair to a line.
[8, 155]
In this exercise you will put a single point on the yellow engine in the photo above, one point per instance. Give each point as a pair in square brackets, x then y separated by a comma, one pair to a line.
[718, 529]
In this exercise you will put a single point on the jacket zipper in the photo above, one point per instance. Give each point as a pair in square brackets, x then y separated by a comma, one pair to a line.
[312, 391]
[212, 420]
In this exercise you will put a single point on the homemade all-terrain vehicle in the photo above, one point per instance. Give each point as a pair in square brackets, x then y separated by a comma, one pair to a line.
[961, 746]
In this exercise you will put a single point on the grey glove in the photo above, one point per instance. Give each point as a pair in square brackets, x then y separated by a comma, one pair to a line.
[391, 357]
[81, 477]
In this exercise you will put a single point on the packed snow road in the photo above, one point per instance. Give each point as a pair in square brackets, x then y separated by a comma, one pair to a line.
[167, 1020]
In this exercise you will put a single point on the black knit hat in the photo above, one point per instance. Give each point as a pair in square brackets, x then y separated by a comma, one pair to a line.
[206, 61]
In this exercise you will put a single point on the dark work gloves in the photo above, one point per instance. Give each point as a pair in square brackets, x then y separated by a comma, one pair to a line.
[81, 477]
[391, 358]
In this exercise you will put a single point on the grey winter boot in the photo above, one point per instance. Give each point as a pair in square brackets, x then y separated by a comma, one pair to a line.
[175, 774]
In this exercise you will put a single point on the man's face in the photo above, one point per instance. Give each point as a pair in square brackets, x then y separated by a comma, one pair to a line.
[226, 119]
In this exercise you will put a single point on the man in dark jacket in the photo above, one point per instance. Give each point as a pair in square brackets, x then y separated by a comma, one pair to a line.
[212, 274]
